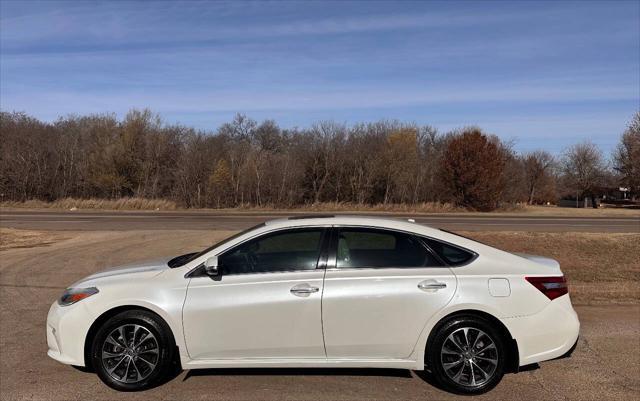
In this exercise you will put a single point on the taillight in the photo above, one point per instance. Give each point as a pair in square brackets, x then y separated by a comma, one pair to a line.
[552, 287]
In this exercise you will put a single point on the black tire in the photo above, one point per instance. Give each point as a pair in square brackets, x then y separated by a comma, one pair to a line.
[151, 332]
[477, 373]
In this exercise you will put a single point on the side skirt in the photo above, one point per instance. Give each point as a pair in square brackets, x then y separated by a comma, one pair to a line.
[300, 363]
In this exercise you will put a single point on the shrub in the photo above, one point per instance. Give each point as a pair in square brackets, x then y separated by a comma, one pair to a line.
[472, 170]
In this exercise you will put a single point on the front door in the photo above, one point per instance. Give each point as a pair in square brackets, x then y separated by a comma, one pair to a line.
[378, 297]
[266, 303]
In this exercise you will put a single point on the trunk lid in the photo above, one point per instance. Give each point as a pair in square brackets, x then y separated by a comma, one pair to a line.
[551, 264]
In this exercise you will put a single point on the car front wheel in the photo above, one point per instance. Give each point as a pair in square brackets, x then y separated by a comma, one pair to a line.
[467, 355]
[132, 351]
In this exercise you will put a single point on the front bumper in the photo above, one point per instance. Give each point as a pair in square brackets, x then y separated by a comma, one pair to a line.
[549, 334]
[67, 328]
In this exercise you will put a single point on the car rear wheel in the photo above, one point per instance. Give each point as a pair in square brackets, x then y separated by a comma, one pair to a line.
[467, 355]
[132, 351]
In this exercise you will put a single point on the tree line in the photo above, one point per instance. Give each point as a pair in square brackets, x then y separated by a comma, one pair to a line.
[250, 163]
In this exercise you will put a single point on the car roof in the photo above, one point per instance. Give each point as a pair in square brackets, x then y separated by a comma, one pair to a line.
[404, 224]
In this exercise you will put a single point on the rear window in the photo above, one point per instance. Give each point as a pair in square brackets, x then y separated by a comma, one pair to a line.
[450, 254]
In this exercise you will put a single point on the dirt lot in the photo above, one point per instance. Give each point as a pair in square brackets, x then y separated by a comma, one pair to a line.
[36, 266]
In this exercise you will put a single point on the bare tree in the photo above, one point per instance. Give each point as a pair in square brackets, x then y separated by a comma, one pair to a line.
[513, 174]
[537, 171]
[240, 131]
[245, 162]
[584, 169]
[627, 155]
[322, 140]
[220, 184]
[400, 163]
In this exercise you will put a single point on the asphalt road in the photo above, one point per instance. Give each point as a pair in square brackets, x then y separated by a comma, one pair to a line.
[605, 365]
[185, 220]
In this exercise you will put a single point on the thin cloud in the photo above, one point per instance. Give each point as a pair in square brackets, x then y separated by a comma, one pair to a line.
[300, 61]
[109, 26]
[327, 99]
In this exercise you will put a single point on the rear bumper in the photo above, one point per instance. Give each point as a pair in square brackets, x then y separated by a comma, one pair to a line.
[549, 334]
[570, 352]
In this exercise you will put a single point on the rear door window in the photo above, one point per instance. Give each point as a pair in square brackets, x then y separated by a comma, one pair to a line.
[377, 248]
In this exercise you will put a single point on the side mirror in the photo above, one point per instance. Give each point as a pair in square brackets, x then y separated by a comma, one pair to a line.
[211, 266]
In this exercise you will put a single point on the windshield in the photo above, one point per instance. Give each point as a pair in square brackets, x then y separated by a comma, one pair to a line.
[188, 257]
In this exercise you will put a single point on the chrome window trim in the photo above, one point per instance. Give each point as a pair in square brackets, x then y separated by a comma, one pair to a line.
[331, 252]
[385, 268]
[255, 273]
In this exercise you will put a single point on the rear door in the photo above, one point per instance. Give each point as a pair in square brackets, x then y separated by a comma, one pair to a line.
[381, 287]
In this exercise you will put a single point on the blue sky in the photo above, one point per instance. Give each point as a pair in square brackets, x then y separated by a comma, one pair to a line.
[543, 74]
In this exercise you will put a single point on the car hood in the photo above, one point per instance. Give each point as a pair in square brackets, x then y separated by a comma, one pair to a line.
[145, 268]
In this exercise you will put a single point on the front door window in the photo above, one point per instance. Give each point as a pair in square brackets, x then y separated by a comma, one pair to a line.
[289, 250]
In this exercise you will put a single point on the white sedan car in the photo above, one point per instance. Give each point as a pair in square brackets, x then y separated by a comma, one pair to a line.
[321, 291]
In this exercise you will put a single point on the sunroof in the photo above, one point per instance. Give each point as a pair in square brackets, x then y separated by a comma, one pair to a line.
[312, 216]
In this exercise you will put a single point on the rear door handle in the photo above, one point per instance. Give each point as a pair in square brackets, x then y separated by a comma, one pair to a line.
[431, 285]
[303, 290]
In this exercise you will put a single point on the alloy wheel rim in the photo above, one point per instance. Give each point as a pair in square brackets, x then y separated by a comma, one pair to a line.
[130, 353]
[469, 357]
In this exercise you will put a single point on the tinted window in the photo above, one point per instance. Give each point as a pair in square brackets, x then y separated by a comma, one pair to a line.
[451, 254]
[363, 247]
[184, 259]
[281, 251]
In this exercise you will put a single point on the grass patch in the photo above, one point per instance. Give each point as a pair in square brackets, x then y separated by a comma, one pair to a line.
[323, 207]
[94, 203]
[601, 268]
[11, 238]
[425, 207]
[582, 212]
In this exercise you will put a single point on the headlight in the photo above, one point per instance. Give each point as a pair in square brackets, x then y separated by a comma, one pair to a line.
[73, 295]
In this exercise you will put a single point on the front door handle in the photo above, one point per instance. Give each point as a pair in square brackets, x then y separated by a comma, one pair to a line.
[432, 285]
[303, 290]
